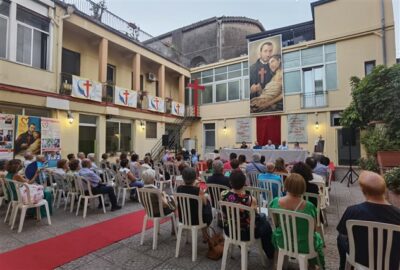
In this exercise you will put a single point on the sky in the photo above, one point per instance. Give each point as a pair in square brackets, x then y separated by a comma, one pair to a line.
[160, 16]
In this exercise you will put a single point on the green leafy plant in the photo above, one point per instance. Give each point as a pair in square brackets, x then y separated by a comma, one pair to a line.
[376, 139]
[392, 178]
[369, 164]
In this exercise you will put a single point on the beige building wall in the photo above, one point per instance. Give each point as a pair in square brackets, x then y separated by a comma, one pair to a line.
[122, 60]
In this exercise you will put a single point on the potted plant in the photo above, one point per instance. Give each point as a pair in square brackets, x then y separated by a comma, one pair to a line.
[392, 178]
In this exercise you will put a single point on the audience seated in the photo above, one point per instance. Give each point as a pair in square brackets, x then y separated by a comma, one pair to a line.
[134, 165]
[217, 177]
[295, 186]
[234, 166]
[238, 195]
[375, 208]
[244, 145]
[280, 166]
[312, 163]
[255, 166]
[91, 157]
[147, 163]
[262, 160]
[283, 146]
[97, 187]
[190, 186]
[210, 166]
[81, 156]
[104, 163]
[257, 146]
[320, 169]
[62, 167]
[194, 157]
[29, 158]
[242, 162]
[270, 175]
[227, 165]
[305, 171]
[74, 167]
[71, 157]
[133, 181]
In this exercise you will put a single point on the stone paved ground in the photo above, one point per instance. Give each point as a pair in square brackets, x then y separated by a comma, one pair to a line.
[128, 254]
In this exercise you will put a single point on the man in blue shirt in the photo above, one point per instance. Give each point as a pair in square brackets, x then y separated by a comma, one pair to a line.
[255, 166]
[269, 175]
[97, 187]
[257, 146]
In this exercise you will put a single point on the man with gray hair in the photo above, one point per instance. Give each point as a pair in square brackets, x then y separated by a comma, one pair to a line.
[91, 157]
[255, 166]
[28, 158]
[218, 177]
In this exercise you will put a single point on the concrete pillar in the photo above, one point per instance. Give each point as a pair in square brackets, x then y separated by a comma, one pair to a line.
[182, 88]
[100, 145]
[161, 81]
[103, 59]
[136, 72]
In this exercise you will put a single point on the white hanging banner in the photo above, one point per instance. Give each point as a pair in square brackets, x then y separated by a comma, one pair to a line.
[125, 97]
[51, 138]
[86, 89]
[156, 104]
[178, 109]
[7, 122]
[396, 17]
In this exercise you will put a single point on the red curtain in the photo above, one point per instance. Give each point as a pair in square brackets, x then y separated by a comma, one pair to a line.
[269, 128]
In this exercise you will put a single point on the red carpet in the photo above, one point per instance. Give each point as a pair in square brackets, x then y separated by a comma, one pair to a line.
[59, 250]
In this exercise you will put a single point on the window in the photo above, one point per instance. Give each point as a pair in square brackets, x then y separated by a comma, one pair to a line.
[311, 56]
[208, 94]
[87, 119]
[220, 74]
[111, 74]
[32, 38]
[292, 82]
[220, 90]
[246, 88]
[291, 60]
[4, 14]
[209, 137]
[234, 71]
[71, 62]
[331, 76]
[369, 67]
[118, 136]
[151, 130]
[313, 85]
[335, 118]
[234, 90]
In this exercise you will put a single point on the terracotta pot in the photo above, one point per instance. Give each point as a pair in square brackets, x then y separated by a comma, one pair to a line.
[388, 159]
[393, 198]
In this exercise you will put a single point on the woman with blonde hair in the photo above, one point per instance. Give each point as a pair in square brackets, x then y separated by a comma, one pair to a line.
[295, 187]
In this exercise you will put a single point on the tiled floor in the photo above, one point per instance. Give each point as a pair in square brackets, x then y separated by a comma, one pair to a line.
[128, 254]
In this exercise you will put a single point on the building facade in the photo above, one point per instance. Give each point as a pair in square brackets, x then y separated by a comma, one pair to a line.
[344, 39]
[47, 45]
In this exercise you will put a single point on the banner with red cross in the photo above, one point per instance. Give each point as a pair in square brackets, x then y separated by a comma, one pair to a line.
[178, 109]
[125, 97]
[86, 89]
[155, 104]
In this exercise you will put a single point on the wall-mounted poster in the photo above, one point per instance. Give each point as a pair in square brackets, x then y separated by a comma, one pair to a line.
[156, 104]
[125, 97]
[297, 128]
[243, 130]
[7, 122]
[86, 89]
[265, 61]
[51, 138]
[27, 137]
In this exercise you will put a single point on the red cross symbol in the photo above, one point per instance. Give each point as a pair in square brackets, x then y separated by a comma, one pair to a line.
[156, 101]
[87, 84]
[126, 94]
[262, 73]
[177, 108]
[195, 87]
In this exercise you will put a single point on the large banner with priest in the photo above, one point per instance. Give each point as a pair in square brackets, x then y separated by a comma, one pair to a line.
[266, 80]
[86, 89]
[27, 137]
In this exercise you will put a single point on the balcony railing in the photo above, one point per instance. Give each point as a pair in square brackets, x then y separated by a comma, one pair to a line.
[314, 100]
[101, 14]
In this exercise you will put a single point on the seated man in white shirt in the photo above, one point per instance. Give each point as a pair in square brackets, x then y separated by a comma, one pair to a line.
[283, 146]
[310, 161]
[269, 146]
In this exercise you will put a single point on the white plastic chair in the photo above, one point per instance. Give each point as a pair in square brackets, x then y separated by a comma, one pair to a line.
[253, 178]
[24, 207]
[319, 224]
[263, 196]
[178, 182]
[287, 221]
[146, 197]
[72, 192]
[160, 181]
[183, 205]
[233, 212]
[122, 184]
[214, 190]
[12, 201]
[375, 245]
[268, 184]
[80, 182]
[60, 189]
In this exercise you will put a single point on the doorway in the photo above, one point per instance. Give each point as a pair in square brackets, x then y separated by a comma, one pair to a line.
[209, 138]
[87, 133]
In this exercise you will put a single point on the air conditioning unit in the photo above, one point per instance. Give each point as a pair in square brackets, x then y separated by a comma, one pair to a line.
[151, 77]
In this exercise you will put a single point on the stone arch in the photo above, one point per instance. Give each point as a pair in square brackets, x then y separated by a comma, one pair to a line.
[197, 61]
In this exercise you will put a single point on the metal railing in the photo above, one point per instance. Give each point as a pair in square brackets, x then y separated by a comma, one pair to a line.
[314, 100]
[101, 14]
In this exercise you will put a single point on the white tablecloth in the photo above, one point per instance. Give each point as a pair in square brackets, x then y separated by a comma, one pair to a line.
[270, 155]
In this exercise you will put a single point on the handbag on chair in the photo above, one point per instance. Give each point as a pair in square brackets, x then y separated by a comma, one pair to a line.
[215, 245]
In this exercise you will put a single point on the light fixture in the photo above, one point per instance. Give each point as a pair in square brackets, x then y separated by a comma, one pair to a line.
[70, 117]
[142, 124]
[316, 125]
[224, 126]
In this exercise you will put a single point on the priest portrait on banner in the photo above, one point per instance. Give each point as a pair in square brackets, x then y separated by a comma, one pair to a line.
[265, 60]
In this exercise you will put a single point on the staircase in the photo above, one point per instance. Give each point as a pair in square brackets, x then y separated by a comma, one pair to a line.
[174, 137]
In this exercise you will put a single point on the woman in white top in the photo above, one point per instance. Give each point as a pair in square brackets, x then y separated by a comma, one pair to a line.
[133, 180]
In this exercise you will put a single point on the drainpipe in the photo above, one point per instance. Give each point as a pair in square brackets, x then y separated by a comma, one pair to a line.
[383, 31]
[219, 39]
[60, 25]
